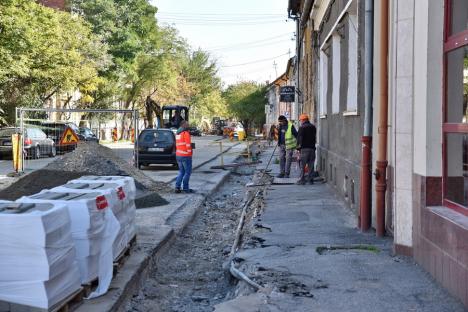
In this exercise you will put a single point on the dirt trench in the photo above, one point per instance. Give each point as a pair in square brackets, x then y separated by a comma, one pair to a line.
[190, 276]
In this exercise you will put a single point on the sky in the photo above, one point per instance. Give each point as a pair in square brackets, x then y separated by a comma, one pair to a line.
[246, 37]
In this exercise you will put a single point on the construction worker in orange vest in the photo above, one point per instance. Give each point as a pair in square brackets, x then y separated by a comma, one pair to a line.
[184, 158]
[114, 134]
[132, 134]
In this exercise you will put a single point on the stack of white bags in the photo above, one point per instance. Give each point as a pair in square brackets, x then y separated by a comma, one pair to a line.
[115, 197]
[56, 240]
[127, 185]
[37, 254]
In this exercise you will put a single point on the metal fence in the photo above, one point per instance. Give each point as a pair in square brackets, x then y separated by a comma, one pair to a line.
[46, 132]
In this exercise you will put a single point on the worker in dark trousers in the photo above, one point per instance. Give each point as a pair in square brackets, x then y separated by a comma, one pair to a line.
[287, 135]
[184, 155]
[306, 140]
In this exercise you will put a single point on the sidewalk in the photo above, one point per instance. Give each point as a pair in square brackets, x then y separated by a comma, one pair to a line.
[294, 256]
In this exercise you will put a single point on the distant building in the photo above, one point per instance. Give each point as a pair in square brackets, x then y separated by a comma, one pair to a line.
[56, 4]
[275, 107]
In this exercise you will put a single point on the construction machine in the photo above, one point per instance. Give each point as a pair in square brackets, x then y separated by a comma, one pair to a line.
[168, 116]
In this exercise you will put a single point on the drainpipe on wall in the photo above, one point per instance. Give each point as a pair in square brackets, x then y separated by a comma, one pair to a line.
[382, 162]
[366, 140]
[298, 66]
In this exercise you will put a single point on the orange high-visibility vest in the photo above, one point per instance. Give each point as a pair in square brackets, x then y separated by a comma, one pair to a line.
[114, 134]
[183, 144]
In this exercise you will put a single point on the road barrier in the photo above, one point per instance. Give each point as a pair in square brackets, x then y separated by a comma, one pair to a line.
[48, 132]
[250, 153]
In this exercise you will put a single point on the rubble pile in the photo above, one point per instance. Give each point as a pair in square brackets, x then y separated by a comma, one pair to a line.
[100, 160]
[89, 158]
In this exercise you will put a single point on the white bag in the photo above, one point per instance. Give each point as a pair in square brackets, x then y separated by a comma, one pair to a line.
[116, 199]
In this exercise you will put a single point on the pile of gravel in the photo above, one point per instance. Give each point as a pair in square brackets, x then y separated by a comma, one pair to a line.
[100, 160]
[37, 181]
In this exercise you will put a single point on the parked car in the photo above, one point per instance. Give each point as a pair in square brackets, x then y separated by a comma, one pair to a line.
[87, 135]
[156, 146]
[194, 131]
[55, 131]
[36, 142]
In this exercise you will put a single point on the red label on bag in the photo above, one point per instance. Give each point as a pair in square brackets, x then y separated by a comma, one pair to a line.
[121, 193]
[101, 202]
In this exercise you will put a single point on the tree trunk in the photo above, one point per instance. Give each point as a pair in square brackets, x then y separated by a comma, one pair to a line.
[48, 96]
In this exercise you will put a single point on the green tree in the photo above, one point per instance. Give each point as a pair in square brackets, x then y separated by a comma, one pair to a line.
[44, 52]
[130, 30]
[246, 101]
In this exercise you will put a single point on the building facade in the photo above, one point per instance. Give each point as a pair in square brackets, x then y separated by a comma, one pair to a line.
[428, 137]
[330, 55]
[417, 101]
[275, 107]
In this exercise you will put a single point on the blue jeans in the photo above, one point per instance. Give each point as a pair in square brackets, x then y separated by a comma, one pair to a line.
[185, 170]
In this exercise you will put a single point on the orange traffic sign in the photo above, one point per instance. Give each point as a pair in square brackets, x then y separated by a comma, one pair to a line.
[69, 137]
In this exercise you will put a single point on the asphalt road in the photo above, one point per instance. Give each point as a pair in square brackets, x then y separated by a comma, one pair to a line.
[206, 148]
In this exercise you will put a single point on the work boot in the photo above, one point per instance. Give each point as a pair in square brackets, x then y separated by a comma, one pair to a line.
[189, 191]
[281, 175]
[300, 182]
[177, 190]
[311, 182]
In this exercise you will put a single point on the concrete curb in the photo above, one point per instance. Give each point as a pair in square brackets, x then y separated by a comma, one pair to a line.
[207, 161]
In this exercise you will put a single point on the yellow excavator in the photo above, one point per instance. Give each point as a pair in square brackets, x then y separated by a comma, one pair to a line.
[168, 116]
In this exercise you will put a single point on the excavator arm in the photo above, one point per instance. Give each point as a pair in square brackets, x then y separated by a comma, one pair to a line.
[152, 109]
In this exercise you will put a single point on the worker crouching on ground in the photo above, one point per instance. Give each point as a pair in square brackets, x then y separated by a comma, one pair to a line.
[184, 158]
[287, 135]
[306, 139]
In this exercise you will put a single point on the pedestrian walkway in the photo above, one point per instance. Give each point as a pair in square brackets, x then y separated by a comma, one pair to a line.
[308, 250]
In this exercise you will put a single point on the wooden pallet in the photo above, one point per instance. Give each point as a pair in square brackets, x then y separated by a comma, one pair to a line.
[74, 300]
[69, 303]
[90, 286]
[122, 257]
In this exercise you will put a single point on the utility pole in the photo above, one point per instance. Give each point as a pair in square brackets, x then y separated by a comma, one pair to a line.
[276, 71]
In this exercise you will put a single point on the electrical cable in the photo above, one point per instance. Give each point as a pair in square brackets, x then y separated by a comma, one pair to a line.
[256, 61]
[240, 18]
[251, 42]
[210, 24]
[221, 14]
[224, 50]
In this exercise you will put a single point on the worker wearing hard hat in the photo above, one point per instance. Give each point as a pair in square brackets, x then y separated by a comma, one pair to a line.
[306, 140]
